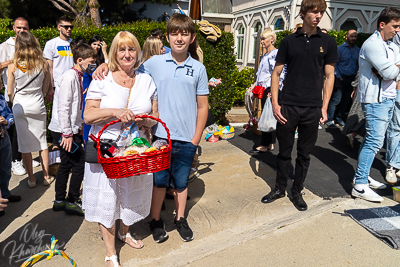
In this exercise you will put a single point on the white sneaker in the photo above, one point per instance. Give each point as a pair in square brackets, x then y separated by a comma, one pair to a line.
[398, 174]
[391, 175]
[363, 191]
[374, 184]
[35, 163]
[17, 168]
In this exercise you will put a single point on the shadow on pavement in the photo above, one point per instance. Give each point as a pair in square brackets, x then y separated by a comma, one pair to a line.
[35, 236]
[196, 190]
[28, 196]
[332, 164]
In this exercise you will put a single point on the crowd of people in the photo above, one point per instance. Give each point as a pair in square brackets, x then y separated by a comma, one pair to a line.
[90, 87]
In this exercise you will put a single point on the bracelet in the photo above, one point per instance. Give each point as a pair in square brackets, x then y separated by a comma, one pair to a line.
[67, 135]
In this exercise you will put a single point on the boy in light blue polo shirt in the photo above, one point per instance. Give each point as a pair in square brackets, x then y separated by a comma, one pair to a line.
[182, 87]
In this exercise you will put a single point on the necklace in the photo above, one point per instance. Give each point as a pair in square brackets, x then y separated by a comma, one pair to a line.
[130, 79]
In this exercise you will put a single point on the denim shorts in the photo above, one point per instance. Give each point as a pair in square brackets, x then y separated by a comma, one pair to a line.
[177, 175]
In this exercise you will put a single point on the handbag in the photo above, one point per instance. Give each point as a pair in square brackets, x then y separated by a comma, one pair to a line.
[91, 150]
[258, 90]
[91, 155]
[267, 122]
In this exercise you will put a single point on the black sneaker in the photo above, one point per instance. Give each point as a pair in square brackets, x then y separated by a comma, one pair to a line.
[13, 198]
[159, 233]
[74, 208]
[58, 206]
[184, 230]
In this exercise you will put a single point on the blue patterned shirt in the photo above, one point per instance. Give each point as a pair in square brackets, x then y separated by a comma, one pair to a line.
[265, 69]
[6, 112]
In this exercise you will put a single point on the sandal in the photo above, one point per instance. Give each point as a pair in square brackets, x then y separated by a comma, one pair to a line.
[48, 181]
[113, 259]
[128, 235]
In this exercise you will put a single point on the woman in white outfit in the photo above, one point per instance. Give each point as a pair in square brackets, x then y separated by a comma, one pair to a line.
[123, 93]
[28, 81]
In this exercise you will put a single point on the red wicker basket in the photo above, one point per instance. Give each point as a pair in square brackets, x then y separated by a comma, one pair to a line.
[121, 167]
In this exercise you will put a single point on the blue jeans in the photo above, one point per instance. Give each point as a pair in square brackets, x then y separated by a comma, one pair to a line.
[5, 166]
[341, 97]
[177, 176]
[393, 136]
[377, 117]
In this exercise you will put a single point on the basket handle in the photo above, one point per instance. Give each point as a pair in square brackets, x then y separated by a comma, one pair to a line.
[137, 116]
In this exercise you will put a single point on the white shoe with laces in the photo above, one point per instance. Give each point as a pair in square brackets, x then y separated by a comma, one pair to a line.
[35, 163]
[363, 191]
[391, 175]
[374, 184]
[17, 168]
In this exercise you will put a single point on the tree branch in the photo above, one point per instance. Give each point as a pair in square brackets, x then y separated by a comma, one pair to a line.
[58, 6]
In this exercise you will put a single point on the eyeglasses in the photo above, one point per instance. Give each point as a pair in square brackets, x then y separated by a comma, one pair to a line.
[66, 26]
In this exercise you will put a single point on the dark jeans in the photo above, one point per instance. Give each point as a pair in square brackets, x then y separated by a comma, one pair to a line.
[306, 119]
[267, 138]
[70, 160]
[5, 166]
[12, 132]
[341, 98]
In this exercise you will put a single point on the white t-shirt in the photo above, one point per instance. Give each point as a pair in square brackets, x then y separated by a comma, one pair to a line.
[389, 86]
[7, 50]
[59, 51]
[113, 95]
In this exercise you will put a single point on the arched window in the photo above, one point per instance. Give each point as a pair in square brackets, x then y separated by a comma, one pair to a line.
[351, 24]
[256, 27]
[239, 41]
[278, 23]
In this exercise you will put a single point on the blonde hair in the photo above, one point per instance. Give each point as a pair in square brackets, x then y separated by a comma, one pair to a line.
[299, 25]
[28, 53]
[123, 38]
[268, 32]
[152, 46]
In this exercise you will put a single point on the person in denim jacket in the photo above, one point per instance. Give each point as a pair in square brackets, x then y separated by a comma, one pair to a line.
[379, 67]
[6, 120]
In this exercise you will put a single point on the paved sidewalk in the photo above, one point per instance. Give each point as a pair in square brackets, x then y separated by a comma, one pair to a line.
[231, 226]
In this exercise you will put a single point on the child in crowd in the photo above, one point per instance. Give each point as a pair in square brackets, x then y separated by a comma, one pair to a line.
[182, 88]
[69, 133]
[152, 46]
[6, 119]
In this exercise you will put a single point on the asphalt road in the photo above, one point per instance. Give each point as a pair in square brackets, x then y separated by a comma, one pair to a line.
[332, 165]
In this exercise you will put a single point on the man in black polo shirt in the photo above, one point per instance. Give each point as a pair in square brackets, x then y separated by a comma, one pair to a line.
[310, 56]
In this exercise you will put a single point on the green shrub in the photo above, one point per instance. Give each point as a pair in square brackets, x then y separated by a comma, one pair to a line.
[220, 62]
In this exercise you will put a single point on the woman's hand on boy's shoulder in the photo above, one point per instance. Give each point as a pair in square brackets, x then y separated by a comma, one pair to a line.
[100, 72]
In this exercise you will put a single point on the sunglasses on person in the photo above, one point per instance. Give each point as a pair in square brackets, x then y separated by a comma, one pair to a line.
[67, 26]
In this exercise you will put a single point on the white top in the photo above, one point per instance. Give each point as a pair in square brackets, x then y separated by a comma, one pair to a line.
[7, 50]
[29, 111]
[113, 95]
[59, 51]
[389, 86]
[69, 111]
